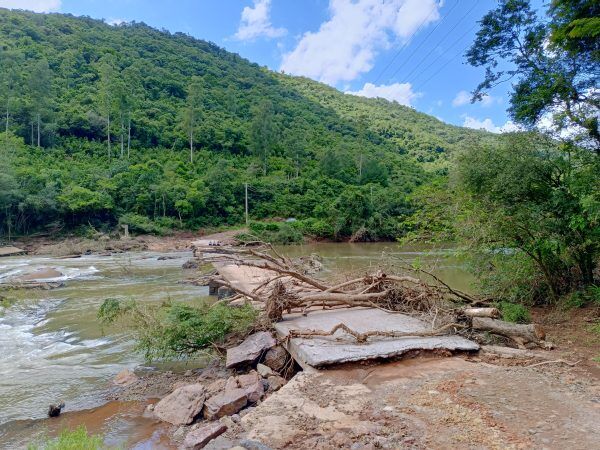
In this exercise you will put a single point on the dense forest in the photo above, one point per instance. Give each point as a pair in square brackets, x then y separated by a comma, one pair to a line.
[106, 124]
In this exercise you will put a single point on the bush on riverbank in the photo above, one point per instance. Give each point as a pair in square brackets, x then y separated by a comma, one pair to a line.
[176, 329]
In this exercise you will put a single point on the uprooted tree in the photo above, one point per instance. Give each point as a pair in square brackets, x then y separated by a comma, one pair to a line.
[286, 286]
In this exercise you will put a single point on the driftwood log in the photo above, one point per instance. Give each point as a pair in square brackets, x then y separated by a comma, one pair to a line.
[520, 333]
[286, 287]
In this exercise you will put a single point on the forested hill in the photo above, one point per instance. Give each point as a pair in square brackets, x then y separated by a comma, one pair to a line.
[160, 130]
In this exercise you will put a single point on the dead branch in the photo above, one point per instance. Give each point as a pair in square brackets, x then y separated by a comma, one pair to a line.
[363, 337]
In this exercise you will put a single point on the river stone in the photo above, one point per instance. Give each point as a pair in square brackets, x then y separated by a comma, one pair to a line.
[125, 377]
[202, 434]
[182, 405]
[275, 358]
[249, 350]
[225, 404]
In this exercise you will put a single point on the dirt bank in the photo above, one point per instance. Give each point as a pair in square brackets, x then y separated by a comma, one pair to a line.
[423, 403]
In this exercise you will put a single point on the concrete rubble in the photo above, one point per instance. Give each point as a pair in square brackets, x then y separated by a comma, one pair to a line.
[250, 350]
[202, 434]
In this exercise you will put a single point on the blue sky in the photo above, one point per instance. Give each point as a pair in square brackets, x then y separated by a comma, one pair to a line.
[410, 51]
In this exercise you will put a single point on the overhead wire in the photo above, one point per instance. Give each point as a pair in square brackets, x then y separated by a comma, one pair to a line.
[433, 48]
[425, 38]
[405, 44]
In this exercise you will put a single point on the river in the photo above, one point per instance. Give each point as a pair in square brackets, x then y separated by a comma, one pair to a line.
[53, 347]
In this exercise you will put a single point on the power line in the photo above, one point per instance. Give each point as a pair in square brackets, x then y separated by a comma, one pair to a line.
[425, 39]
[448, 61]
[405, 44]
[450, 47]
[441, 40]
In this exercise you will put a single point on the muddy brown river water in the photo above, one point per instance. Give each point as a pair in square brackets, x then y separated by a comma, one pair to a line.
[53, 348]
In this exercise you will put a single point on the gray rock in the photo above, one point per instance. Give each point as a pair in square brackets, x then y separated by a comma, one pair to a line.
[250, 350]
[254, 445]
[182, 405]
[225, 404]
[264, 371]
[202, 434]
[276, 382]
[190, 264]
[276, 358]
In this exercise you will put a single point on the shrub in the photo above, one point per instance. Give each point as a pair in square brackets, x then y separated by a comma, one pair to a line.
[514, 312]
[177, 329]
[140, 224]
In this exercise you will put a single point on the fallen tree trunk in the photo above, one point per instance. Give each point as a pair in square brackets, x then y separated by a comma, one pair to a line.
[521, 334]
[492, 313]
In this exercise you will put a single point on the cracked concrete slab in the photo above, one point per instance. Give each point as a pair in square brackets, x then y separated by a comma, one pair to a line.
[342, 348]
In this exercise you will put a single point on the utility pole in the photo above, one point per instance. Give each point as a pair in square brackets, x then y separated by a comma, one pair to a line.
[246, 202]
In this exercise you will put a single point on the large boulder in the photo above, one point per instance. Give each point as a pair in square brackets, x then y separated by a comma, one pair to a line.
[202, 434]
[249, 350]
[225, 404]
[182, 405]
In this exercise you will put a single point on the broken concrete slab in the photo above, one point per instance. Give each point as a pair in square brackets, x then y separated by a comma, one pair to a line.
[249, 350]
[341, 348]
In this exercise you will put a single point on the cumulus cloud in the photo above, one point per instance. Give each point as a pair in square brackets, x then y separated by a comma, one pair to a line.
[256, 22]
[32, 5]
[346, 45]
[464, 97]
[488, 125]
[397, 92]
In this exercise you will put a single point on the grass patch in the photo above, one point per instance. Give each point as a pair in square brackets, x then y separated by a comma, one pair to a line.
[77, 439]
[514, 312]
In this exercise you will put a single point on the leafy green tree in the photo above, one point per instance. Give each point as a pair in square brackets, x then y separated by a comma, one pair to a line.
[554, 62]
[527, 196]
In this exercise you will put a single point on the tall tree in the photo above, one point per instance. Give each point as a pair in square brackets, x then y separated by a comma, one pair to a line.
[553, 62]
[40, 92]
[193, 110]
[263, 132]
[9, 82]
[108, 82]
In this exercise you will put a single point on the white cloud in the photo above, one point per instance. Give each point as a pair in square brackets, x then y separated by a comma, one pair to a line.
[398, 92]
[488, 125]
[32, 5]
[115, 22]
[345, 46]
[256, 22]
[464, 97]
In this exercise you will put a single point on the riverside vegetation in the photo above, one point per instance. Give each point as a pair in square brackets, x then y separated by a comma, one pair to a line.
[108, 125]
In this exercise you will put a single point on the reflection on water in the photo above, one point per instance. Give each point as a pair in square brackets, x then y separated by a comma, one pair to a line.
[52, 347]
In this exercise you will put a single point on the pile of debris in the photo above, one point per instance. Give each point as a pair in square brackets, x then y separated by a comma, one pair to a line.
[285, 287]
[203, 410]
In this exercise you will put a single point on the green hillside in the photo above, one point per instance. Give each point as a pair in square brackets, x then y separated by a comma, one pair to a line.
[189, 124]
